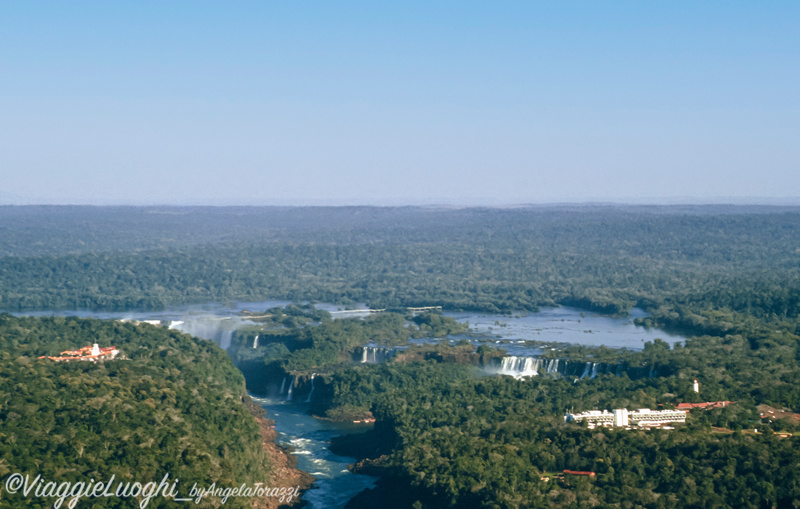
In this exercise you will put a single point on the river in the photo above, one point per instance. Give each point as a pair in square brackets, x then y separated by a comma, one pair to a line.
[215, 322]
[563, 325]
[309, 438]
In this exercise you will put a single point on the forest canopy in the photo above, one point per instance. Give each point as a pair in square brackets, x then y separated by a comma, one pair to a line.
[446, 434]
[606, 259]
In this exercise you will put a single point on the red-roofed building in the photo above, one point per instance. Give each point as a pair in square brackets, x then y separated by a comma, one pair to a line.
[88, 353]
[707, 404]
[579, 472]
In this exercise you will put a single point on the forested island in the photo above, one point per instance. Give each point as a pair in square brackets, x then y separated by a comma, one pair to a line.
[446, 434]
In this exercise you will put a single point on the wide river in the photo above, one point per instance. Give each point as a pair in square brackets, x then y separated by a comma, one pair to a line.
[310, 437]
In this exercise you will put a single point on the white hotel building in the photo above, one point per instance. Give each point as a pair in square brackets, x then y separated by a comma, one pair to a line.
[622, 417]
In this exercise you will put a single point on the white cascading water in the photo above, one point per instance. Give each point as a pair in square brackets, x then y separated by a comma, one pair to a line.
[520, 367]
[374, 354]
[225, 339]
[255, 342]
[289, 391]
[283, 386]
[590, 371]
[308, 399]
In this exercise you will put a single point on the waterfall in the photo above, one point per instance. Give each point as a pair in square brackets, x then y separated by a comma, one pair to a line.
[283, 385]
[375, 354]
[255, 342]
[531, 366]
[522, 366]
[308, 399]
[289, 392]
[225, 339]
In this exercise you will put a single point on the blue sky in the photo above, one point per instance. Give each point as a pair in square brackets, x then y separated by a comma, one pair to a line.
[296, 102]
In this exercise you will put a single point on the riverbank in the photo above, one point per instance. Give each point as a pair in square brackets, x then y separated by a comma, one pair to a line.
[309, 441]
[284, 471]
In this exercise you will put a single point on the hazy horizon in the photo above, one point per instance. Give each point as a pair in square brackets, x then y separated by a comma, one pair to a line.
[672, 201]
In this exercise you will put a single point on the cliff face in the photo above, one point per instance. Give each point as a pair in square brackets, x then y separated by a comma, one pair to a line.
[261, 379]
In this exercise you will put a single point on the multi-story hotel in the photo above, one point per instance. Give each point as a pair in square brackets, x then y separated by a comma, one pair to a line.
[622, 417]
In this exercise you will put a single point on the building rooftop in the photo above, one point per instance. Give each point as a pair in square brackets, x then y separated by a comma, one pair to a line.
[706, 404]
[579, 472]
[87, 353]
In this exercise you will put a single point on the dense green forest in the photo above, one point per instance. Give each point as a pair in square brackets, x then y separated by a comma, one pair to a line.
[606, 259]
[486, 442]
[173, 405]
[447, 434]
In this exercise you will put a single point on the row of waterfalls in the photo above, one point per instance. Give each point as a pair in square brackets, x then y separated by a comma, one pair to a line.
[532, 366]
[522, 366]
[516, 366]
[373, 354]
[288, 386]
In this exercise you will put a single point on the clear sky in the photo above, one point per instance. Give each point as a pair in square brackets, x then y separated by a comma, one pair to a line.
[462, 102]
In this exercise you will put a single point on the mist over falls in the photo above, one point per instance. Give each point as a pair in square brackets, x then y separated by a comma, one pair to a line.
[213, 328]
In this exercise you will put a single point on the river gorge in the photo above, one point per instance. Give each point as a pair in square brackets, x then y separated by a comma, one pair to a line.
[285, 397]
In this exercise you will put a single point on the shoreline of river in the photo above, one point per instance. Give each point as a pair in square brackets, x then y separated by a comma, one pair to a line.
[284, 472]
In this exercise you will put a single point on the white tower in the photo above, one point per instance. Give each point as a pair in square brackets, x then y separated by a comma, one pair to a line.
[95, 350]
[696, 387]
